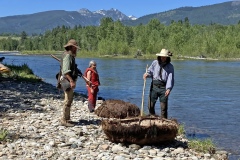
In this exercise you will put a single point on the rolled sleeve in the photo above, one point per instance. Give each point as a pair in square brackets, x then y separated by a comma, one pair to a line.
[150, 69]
[170, 79]
[66, 64]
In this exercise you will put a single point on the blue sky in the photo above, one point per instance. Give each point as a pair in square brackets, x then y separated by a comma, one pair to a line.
[137, 8]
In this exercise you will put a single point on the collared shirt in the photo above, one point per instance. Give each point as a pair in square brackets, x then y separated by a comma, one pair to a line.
[67, 61]
[167, 73]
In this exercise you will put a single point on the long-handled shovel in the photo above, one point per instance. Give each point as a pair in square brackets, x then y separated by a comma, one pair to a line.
[143, 93]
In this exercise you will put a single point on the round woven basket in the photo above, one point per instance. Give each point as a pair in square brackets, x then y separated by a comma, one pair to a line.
[140, 130]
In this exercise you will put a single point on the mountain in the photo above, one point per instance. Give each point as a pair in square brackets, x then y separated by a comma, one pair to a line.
[226, 13]
[223, 13]
[42, 21]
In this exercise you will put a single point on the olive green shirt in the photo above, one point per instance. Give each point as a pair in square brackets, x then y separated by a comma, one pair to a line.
[67, 61]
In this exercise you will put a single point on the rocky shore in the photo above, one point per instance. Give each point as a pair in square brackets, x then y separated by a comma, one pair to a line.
[31, 112]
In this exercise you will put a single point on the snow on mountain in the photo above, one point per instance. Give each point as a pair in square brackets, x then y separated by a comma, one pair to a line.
[113, 13]
[132, 17]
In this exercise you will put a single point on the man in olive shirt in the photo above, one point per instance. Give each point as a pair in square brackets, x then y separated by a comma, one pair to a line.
[162, 73]
[69, 72]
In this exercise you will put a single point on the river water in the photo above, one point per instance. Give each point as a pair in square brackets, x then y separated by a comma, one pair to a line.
[205, 97]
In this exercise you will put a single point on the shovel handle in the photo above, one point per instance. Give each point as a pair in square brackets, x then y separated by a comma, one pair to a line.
[144, 84]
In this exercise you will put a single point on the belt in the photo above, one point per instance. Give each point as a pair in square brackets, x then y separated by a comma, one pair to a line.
[159, 83]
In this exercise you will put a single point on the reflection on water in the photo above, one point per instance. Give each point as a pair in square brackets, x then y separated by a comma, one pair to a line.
[205, 97]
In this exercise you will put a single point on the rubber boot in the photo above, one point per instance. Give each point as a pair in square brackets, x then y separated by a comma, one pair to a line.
[151, 108]
[164, 110]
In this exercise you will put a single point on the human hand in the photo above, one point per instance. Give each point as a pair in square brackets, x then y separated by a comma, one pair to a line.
[92, 91]
[145, 76]
[167, 93]
[72, 84]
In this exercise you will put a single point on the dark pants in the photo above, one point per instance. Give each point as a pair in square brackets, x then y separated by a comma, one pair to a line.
[158, 91]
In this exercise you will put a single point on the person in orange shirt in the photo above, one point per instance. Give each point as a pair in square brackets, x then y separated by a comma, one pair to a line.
[92, 74]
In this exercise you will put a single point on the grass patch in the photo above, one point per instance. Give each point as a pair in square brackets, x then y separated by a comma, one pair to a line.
[21, 73]
[91, 54]
[205, 146]
[12, 37]
[3, 134]
[181, 130]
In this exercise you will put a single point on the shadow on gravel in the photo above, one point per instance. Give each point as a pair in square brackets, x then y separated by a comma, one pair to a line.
[24, 96]
[84, 122]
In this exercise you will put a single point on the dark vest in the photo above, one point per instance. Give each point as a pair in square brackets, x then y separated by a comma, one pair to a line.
[74, 72]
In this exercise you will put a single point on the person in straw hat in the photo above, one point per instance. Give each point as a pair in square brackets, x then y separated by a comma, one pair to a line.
[162, 73]
[69, 72]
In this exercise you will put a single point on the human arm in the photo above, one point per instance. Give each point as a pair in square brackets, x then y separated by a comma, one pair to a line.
[149, 72]
[71, 81]
[66, 69]
[170, 80]
[89, 77]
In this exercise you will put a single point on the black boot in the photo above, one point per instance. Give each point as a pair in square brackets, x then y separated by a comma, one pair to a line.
[151, 108]
[164, 110]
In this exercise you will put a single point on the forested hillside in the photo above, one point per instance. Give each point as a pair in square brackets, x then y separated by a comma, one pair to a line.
[226, 13]
[114, 38]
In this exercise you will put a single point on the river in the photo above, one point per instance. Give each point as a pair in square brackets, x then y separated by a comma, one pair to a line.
[205, 97]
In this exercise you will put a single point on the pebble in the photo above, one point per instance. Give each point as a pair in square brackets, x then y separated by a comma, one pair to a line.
[31, 112]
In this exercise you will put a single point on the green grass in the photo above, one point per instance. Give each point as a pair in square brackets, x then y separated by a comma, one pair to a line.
[21, 73]
[39, 52]
[205, 145]
[91, 54]
[3, 134]
[12, 37]
[181, 130]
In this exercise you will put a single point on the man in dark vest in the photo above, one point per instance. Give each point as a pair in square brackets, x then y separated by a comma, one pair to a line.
[69, 73]
[162, 73]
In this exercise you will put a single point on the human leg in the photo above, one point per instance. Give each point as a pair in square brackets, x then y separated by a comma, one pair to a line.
[164, 109]
[67, 107]
[153, 96]
[163, 104]
[95, 96]
[90, 100]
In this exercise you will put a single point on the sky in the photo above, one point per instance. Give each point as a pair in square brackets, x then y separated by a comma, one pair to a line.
[136, 8]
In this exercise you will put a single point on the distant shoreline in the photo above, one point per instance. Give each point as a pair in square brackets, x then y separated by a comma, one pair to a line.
[10, 52]
[177, 57]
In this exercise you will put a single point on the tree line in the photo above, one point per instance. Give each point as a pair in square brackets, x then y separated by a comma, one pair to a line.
[114, 38]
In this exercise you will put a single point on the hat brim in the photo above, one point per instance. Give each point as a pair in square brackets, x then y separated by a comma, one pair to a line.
[162, 55]
[71, 45]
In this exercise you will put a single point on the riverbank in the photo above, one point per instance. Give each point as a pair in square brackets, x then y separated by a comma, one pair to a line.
[81, 54]
[31, 112]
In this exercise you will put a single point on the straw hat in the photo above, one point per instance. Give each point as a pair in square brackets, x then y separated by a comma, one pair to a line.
[164, 53]
[72, 42]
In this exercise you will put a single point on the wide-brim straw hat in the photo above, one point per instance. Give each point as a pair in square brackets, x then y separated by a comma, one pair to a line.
[164, 53]
[72, 42]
